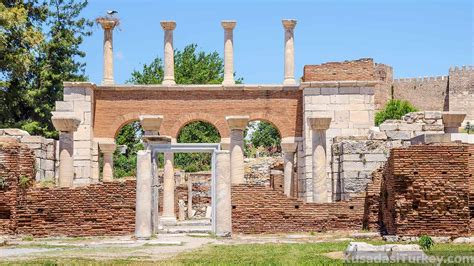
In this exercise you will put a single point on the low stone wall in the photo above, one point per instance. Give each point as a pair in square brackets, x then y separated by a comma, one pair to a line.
[426, 190]
[44, 150]
[411, 125]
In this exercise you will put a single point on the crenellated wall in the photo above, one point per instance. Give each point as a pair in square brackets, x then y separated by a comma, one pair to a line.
[461, 91]
[428, 93]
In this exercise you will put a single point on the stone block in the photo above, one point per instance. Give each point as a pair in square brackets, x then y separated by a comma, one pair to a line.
[312, 91]
[47, 165]
[359, 116]
[385, 126]
[87, 118]
[360, 166]
[401, 135]
[378, 157]
[349, 90]
[320, 99]
[435, 127]
[340, 99]
[83, 133]
[378, 135]
[49, 174]
[433, 115]
[82, 154]
[367, 90]
[34, 145]
[82, 144]
[64, 106]
[351, 157]
[329, 91]
[32, 139]
[357, 99]
[82, 106]
[410, 127]
[341, 116]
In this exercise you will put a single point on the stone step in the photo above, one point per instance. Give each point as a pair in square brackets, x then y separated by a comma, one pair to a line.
[196, 222]
[185, 229]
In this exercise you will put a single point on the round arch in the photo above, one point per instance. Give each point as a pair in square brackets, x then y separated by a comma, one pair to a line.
[220, 125]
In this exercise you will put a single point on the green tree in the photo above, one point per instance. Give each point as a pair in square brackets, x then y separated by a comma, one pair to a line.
[191, 67]
[40, 49]
[263, 136]
[125, 163]
[394, 109]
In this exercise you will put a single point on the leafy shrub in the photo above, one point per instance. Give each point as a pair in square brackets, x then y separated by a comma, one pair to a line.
[3, 182]
[394, 109]
[426, 242]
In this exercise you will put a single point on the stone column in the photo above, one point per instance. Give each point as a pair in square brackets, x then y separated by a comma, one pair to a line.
[237, 125]
[452, 121]
[143, 225]
[108, 25]
[319, 125]
[168, 27]
[107, 147]
[289, 148]
[228, 26]
[223, 194]
[66, 124]
[289, 25]
[169, 216]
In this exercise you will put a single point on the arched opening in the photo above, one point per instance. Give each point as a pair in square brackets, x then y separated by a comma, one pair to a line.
[128, 142]
[196, 132]
[264, 162]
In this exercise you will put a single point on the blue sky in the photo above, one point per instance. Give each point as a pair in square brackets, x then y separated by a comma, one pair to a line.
[417, 38]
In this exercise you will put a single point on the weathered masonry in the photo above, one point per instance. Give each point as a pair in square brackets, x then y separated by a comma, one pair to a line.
[339, 171]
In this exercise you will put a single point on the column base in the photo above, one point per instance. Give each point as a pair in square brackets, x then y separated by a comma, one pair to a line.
[228, 82]
[170, 220]
[168, 82]
[108, 82]
[289, 82]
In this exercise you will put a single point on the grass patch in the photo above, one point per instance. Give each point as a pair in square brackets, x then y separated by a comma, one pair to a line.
[262, 254]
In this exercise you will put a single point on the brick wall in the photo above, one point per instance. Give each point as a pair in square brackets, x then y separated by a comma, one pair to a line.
[115, 107]
[361, 69]
[426, 191]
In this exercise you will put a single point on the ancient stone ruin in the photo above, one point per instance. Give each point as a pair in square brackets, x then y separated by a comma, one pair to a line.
[339, 172]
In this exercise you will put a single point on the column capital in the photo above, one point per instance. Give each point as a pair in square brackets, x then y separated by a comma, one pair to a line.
[237, 121]
[289, 24]
[106, 145]
[319, 123]
[453, 119]
[168, 24]
[151, 122]
[107, 23]
[288, 147]
[65, 121]
[228, 24]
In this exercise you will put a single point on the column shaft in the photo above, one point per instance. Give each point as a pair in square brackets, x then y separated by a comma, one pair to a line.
[66, 161]
[223, 210]
[168, 27]
[143, 222]
[108, 57]
[237, 156]
[228, 52]
[289, 26]
[288, 173]
[169, 216]
[319, 166]
[108, 172]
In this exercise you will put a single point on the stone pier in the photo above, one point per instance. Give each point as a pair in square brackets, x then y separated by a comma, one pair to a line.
[108, 25]
[143, 222]
[168, 27]
[223, 194]
[237, 125]
[66, 124]
[289, 148]
[453, 121]
[107, 147]
[289, 25]
[228, 26]
[319, 125]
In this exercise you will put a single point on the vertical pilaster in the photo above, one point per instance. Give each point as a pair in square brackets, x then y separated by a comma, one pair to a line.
[107, 147]
[223, 194]
[289, 148]
[143, 224]
[169, 216]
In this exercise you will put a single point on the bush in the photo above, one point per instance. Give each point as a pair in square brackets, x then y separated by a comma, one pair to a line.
[24, 181]
[426, 242]
[394, 109]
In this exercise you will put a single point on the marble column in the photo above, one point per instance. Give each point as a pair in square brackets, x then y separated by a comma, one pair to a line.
[168, 27]
[289, 25]
[66, 124]
[228, 26]
[289, 148]
[237, 125]
[319, 125]
[143, 222]
[107, 147]
[169, 215]
[223, 194]
[452, 121]
[108, 26]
